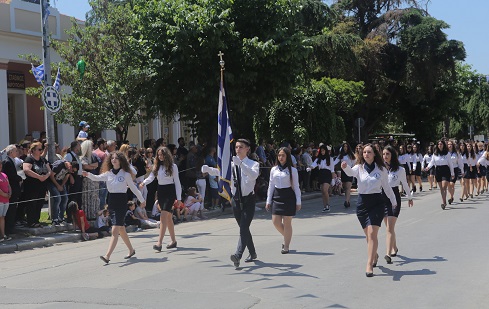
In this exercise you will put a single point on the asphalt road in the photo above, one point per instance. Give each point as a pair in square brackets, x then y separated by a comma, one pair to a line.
[442, 263]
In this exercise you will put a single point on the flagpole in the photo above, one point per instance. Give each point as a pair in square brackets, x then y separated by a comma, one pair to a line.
[48, 116]
[237, 175]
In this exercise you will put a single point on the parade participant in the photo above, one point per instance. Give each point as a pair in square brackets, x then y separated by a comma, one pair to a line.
[346, 154]
[484, 162]
[431, 173]
[372, 178]
[245, 172]
[118, 176]
[411, 161]
[169, 190]
[417, 168]
[481, 170]
[470, 176]
[457, 164]
[396, 176]
[284, 196]
[403, 160]
[325, 165]
[443, 169]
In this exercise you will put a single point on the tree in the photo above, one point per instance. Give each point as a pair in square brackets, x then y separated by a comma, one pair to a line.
[112, 93]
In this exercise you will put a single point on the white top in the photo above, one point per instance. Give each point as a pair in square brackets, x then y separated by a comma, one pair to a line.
[471, 161]
[456, 160]
[117, 183]
[164, 179]
[346, 158]
[405, 159]
[418, 158]
[464, 159]
[323, 165]
[102, 221]
[440, 160]
[82, 134]
[250, 170]
[370, 183]
[399, 177]
[426, 161]
[479, 154]
[281, 179]
[482, 160]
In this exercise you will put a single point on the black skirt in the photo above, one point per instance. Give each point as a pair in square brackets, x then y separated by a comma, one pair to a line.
[470, 174]
[324, 176]
[117, 208]
[166, 196]
[389, 212]
[442, 173]
[417, 171]
[456, 171]
[370, 209]
[284, 202]
[345, 177]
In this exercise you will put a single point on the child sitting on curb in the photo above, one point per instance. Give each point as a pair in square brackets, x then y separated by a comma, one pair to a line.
[193, 202]
[103, 221]
[142, 215]
[180, 211]
[130, 218]
[80, 220]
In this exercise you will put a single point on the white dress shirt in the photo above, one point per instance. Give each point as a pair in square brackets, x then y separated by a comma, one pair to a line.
[164, 179]
[483, 160]
[441, 160]
[117, 183]
[280, 180]
[405, 159]
[399, 177]
[370, 183]
[426, 161]
[323, 166]
[457, 160]
[250, 170]
[472, 161]
[345, 158]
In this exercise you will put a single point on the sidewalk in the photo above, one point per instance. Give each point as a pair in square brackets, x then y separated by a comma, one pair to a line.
[28, 238]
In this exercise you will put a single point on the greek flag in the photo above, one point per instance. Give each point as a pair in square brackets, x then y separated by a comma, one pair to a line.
[38, 73]
[46, 12]
[57, 82]
[224, 139]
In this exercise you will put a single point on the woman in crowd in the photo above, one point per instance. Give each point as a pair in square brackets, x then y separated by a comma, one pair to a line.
[201, 182]
[481, 171]
[151, 188]
[37, 171]
[284, 196]
[431, 173]
[418, 157]
[372, 178]
[90, 163]
[118, 176]
[169, 191]
[411, 161]
[396, 176]
[465, 167]
[470, 177]
[443, 169]
[346, 154]
[325, 165]
[404, 161]
[457, 164]
[484, 161]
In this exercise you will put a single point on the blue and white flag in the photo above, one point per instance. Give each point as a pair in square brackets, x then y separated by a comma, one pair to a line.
[57, 82]
[46, 12]
[224, 140]
[38, 73]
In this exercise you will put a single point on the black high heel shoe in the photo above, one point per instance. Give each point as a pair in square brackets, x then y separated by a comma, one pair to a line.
[104, 259]
[369, 275]
[395, 253]
[157, 248]
[172, 245]
[376, 260]
[130, 255]
[388, 259]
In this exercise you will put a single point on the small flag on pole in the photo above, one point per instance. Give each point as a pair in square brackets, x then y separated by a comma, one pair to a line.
[38, 73]
[57, 82]
[46, 12]
[225, 137]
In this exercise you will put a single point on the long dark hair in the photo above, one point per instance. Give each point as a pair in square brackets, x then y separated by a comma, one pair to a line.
[377, 157]
[439, 152]
[326, 155]
[107, 166]
[470, 153]
[288, 160]
[167, 162]
[394, 165]
[344, 153]
[464, 151]
[72, 209]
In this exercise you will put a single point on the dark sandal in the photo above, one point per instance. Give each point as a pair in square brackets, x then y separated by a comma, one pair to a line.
[157, 248]
[172, 245]
[104, 259]
[130, 255]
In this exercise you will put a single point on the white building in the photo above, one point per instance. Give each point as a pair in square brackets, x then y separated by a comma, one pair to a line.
[20, 33]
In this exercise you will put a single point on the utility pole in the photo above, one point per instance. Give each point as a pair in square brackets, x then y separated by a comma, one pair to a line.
[48, 115]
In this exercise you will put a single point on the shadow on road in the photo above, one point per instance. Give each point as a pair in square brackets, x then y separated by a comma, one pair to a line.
[397, 275]
[282, 270]
[405, 260]
[345, 236]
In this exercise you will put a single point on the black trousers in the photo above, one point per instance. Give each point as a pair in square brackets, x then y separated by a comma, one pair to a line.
[244, 217]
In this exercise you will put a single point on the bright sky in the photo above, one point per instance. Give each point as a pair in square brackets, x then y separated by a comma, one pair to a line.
[466, 20]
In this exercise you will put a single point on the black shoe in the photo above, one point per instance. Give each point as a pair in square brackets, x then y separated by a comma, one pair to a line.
[251, 258]
[376, 260]
[172, 245]
[395, 253]
[130, 255]
[104, 259]
[235, 260]
[420, 189]
[157, 248]
[284, 251]
[443, 206]
[388, 259]
[369, 275]
[414, 189]
[345, 204]
[461, 199]
[450, 200]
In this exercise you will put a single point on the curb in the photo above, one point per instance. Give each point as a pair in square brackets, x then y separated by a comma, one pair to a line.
[53, 235]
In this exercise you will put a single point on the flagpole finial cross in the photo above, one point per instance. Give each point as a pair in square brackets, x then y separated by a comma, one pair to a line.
[221, 62]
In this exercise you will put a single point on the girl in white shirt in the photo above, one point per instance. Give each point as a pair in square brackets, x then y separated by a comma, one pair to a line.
[484, 162]
[169, 191]
[118, 176]
[325, 165]
[470, 177]
[372, 178]
[431, 172]
[411, 161]
[457, 164]
[396, 175]
[403, 160]
[465, 167]
[417, 168]
[481, 169]
[443, 169]
[284, 195]
[346, 154]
